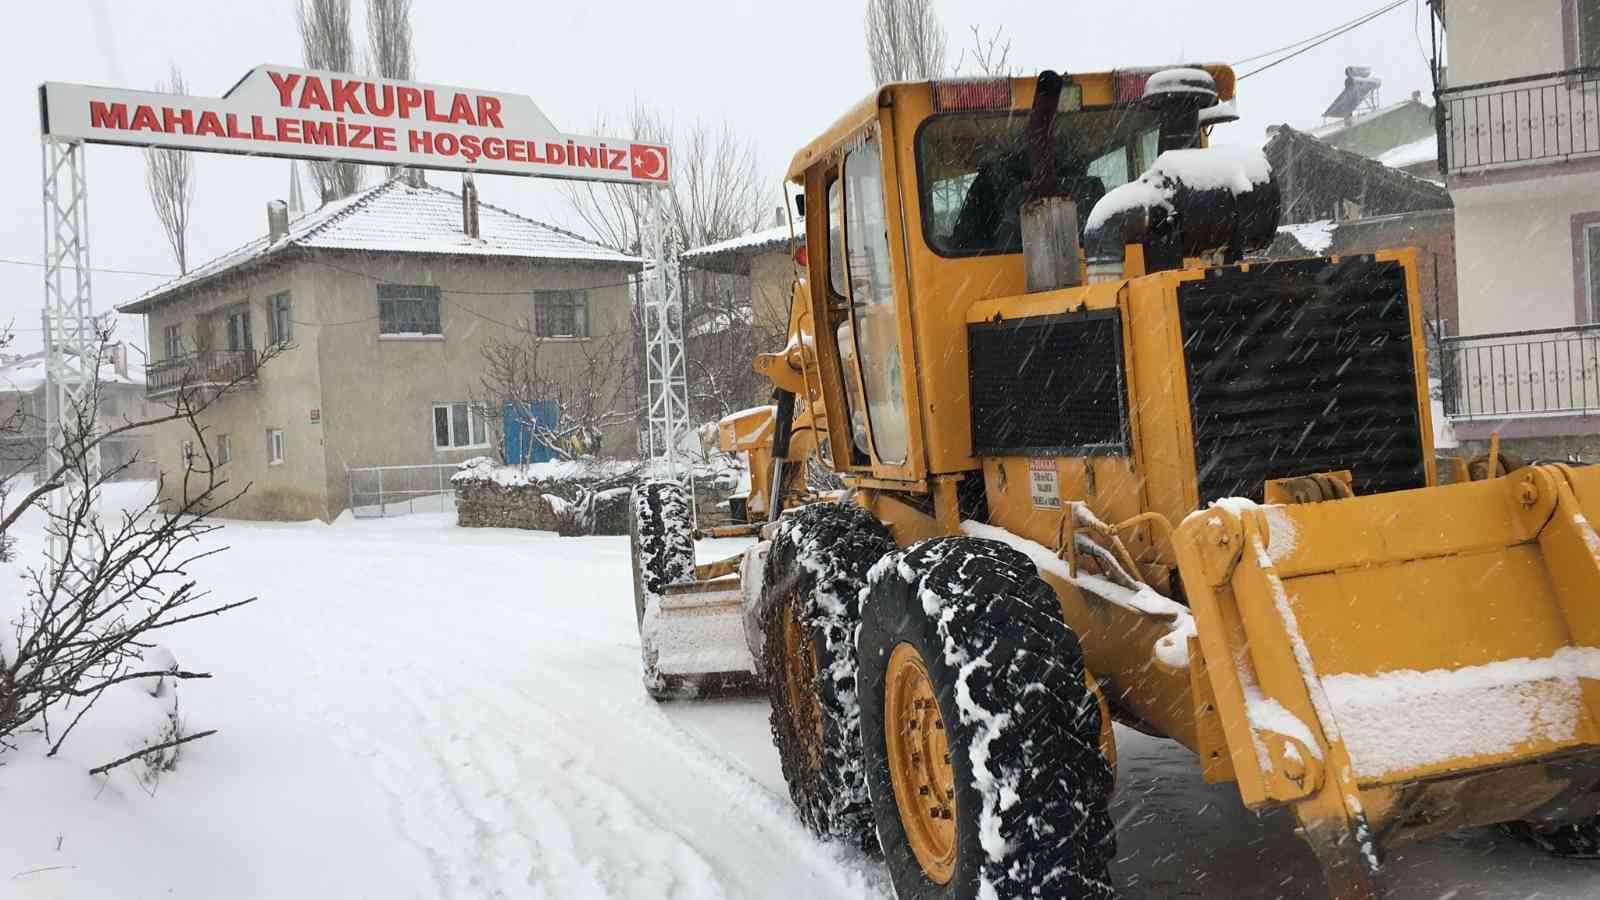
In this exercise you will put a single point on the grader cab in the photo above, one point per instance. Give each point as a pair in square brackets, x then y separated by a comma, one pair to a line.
[1101, 467]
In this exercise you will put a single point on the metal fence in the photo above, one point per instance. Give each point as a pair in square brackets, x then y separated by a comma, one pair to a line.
[1548, 117]
[377, 491]
[1548, 371]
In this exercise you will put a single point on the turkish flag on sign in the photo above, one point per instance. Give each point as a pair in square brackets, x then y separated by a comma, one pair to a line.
[648, 162]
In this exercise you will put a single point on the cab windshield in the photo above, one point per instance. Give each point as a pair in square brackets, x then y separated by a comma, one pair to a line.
[973, 170]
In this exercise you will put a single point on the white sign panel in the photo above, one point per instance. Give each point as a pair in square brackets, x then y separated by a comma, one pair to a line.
[1044, 483]
[303, 114]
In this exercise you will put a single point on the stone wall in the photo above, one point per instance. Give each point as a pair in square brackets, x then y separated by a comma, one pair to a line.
[484, 504]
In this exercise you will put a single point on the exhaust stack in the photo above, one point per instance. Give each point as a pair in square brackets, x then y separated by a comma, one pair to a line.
[1050, 253]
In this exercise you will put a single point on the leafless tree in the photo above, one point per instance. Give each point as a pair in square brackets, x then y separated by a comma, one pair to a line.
[389, 50]
[716, 191]
[326, 43]
[88, 618]
[989, 55]
[169, 178]
[562, 394]
[905, 41]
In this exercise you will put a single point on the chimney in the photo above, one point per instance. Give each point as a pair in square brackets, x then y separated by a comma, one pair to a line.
[469, 207]
[277, 221]
[119, 359]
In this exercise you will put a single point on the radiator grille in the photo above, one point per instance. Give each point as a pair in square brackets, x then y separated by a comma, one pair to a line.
[1300, 367]
[1048, 385]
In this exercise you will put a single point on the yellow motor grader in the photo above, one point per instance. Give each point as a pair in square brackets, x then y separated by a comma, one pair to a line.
[1101, 467]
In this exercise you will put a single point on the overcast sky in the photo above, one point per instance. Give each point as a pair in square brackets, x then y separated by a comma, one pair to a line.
[781, 71]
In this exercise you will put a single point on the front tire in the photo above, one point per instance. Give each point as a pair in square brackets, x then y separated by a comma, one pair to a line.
[808, 612]
[661, 537]
[980, 735]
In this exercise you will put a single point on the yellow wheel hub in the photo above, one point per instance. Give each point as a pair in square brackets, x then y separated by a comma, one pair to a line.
[918, 749]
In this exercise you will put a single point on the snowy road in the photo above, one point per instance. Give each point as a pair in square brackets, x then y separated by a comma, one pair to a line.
[416, 710]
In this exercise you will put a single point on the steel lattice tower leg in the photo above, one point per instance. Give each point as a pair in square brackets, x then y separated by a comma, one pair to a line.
[71, 338]
[665, 379]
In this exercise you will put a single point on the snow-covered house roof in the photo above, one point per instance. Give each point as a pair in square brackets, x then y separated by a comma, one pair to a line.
[397, 217]
[25, 374]
[1330, 131]
[733, 255]
[1420, 152]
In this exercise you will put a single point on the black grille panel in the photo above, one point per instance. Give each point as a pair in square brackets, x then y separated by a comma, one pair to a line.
[1301, 367]
[1048, 385]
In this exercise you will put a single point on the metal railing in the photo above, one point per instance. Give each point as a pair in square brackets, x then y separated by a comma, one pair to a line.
[377, 491]
[205, 368]
[1548, 371]
[1548, 117]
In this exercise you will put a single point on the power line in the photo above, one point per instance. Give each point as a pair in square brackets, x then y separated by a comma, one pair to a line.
[1326, 37]
[1305, 40]
[40, 265]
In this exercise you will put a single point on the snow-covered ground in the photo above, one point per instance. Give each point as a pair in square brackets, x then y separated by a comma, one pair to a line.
[417, 710]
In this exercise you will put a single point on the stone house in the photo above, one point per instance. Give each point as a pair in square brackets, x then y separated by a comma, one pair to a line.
[382, 304]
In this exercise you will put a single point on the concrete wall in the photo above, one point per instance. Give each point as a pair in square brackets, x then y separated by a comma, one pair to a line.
[1514, 251]
[1372, 139]
[287, 388]
[1488, 40]
[379, 392]
[373, 396]
[772, 277]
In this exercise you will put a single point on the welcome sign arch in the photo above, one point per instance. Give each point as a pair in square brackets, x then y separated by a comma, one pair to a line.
[308, 114]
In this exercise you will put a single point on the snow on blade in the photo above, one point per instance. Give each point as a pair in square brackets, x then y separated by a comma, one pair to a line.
[1405, 720]
[1267, 714]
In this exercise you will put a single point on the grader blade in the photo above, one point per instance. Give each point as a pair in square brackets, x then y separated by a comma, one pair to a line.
[1400, 665]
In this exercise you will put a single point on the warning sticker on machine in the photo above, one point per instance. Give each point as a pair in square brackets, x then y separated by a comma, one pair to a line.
[1044, 483]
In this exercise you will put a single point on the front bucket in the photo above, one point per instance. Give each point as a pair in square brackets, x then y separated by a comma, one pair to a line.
[1372, 656]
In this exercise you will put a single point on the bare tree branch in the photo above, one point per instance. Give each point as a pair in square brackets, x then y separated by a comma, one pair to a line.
[151, 749]
[905, 41]
[988, 56]
[326, 44]
[169, 179]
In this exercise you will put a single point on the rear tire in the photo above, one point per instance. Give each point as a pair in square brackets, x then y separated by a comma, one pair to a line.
[1577, 841]
[661, 538]
[1009, 709]
[808, 612]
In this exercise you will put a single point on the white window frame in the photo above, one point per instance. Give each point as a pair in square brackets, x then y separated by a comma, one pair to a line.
[475, 423]
[224, 449]
[275, 452]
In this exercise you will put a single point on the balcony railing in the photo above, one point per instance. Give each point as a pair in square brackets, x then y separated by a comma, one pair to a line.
[1551, 371]
[207, 368]
[1535, 118]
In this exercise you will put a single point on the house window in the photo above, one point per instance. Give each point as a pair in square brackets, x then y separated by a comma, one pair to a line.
[224, 449]
[408, 309]
[457, 425]
[174, 341]
[188, 454]
[274, 446]
[1591, 259]
[1588, 32]
[561, 313]
[239, 328]
[280, 330]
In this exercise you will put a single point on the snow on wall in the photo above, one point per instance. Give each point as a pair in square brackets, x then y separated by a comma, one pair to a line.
[1404, 720]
